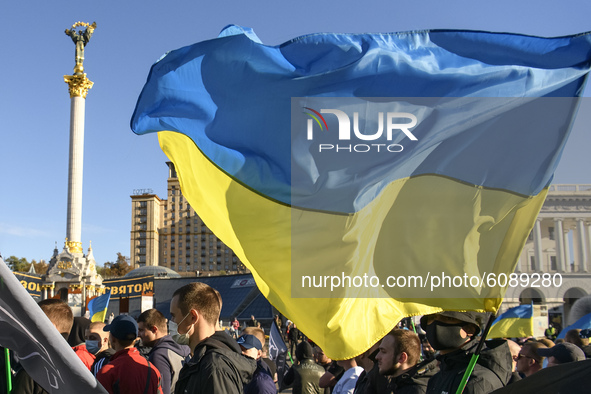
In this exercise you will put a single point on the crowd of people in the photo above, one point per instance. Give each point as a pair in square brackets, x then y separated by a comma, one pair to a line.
[191, 353]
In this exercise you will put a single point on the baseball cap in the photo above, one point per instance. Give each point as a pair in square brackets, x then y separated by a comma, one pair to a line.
[564, 352]
[249, 341]
[123, 327]
[474, 318]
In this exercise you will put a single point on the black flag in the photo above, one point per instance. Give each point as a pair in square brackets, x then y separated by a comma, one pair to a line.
[42, 351]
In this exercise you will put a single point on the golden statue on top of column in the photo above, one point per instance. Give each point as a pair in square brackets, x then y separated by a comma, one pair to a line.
[80, 38]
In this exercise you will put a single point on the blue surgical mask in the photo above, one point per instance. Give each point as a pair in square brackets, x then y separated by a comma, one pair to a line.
[93, 346]
[181, 339]
[545, 362]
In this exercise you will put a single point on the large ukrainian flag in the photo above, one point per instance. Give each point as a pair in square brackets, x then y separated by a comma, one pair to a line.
[457, 202]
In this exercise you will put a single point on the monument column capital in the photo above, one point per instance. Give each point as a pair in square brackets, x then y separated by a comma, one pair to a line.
[78, 85]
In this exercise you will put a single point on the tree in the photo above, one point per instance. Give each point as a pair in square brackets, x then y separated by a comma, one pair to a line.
[40, 267]
[17, 265]
[119, 268]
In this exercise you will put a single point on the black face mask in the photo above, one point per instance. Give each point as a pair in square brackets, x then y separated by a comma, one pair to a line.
[428, 354]
[444, 336]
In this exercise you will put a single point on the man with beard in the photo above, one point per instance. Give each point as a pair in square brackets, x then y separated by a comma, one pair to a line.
[397, 359]
[454, 335]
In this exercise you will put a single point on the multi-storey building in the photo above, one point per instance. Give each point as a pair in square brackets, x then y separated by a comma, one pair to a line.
[553, 269]
[168, 232]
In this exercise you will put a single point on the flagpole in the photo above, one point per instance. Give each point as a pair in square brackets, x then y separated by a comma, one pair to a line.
[476, 355]
[8, 371]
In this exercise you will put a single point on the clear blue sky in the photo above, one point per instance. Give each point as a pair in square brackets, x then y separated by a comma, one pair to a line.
[130, 36]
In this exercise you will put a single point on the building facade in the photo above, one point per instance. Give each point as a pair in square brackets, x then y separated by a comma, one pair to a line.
[169, 233]
[553, 269]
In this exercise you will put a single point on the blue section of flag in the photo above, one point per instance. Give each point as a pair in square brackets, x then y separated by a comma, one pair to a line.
[525, 311]
[231, 96]
[582, 324]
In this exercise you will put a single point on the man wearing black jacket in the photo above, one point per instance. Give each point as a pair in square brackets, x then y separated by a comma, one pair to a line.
[217, 365]
[398, 359]
[453, 334]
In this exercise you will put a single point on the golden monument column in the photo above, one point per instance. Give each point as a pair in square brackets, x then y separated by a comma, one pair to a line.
[78, 86]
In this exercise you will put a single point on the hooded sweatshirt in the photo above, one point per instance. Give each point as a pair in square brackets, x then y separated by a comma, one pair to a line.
[492, 371]
[217, 366]
[169, 357]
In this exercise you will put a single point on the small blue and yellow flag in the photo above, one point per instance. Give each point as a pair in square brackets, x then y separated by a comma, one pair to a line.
[98, 307]
[517, 322]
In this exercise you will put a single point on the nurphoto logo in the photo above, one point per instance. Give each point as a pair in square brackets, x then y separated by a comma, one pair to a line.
[395, 122]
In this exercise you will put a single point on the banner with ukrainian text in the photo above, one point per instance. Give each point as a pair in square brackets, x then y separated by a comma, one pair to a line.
[32, 283]
[363, 178]
[130, 287]
[42, 351]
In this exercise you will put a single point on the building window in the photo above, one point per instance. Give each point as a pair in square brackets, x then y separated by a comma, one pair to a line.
[551, 233]
[553, 265]
[532, 263]
[530, 237]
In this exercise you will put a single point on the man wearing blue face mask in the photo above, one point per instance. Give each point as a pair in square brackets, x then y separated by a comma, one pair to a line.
[454, 335]
[217, 365]
[97, 343]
